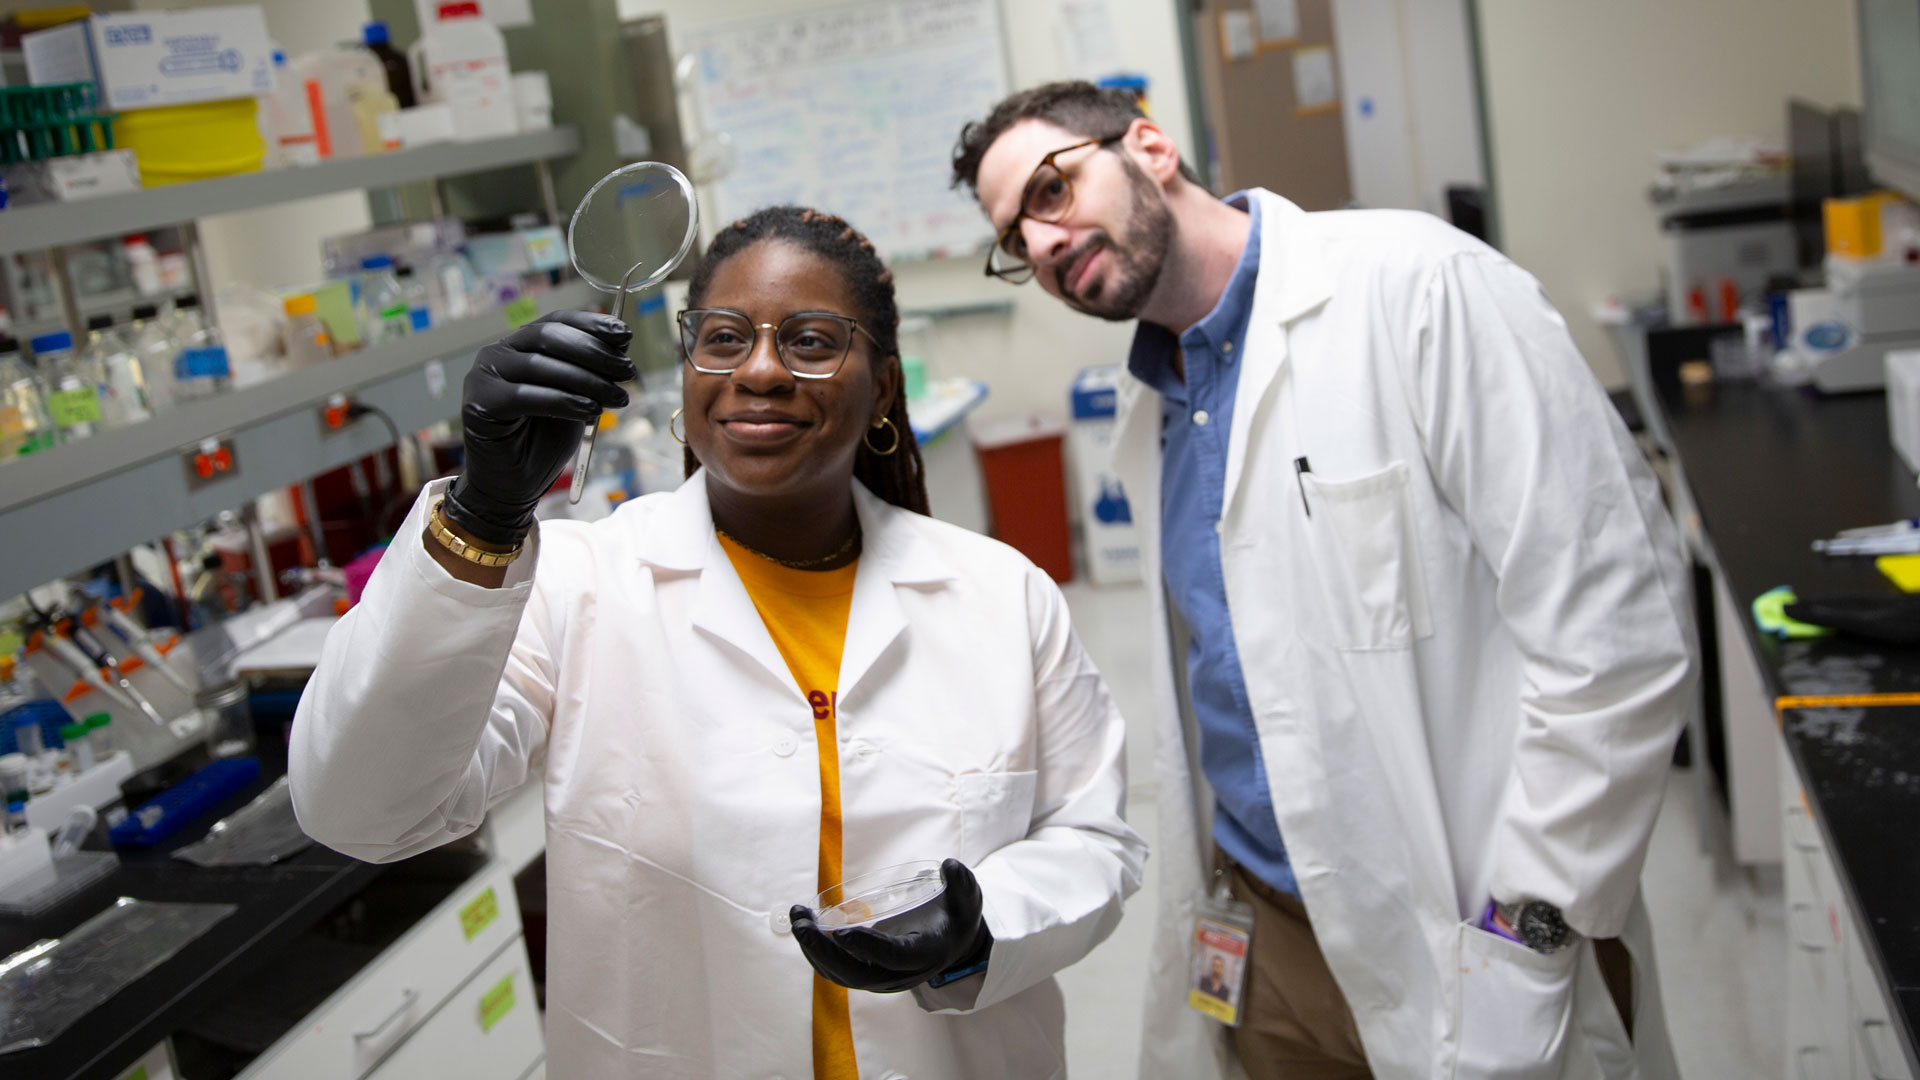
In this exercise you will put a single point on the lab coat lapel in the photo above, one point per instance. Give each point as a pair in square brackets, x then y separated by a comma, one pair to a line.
[893, 554]
[680, 538]
[1291, 284]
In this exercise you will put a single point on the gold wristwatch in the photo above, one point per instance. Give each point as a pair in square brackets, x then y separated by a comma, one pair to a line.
[437, 528]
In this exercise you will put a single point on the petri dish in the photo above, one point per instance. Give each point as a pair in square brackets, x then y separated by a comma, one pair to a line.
[873, 898]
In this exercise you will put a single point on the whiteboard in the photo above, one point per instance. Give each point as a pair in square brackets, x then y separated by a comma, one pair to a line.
[854, 110]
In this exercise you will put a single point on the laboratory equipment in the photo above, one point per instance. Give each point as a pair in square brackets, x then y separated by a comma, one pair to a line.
[102, 657]
[874, 899]
[1875, 311]
[136, 636]
[306, 341]
[383, 305]
[100, 734]
[379, 41]
[69, 977]
[69, 654]
[79, 750]
[461, 60]
[229, 720]
[151, 342]
[143, 263]
[414, 292]
[74, 399]
[26, 427]
[288, 119]
[260, 833]
[164, 815]
[124, 396]
[1903, 416]
[201, 368]
[630, 231]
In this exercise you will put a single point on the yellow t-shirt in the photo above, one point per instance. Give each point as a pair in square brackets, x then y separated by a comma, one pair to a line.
[806, 615]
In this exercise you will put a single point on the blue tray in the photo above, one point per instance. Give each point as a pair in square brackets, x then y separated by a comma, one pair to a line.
[166, 813]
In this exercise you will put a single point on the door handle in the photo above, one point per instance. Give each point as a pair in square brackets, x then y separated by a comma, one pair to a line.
[1794, 921]
[407, 998]
[1872, 1053]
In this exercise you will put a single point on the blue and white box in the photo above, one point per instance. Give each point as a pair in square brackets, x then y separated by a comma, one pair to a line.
[1106, 517]
[144, 59]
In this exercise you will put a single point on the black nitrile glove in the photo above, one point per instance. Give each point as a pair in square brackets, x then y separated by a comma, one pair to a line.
[942, 937]
[527, 401]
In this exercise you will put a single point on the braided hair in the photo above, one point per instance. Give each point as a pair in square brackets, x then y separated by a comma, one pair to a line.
[899, 477]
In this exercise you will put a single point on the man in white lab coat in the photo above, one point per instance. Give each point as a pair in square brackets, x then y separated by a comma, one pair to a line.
[1440, 647]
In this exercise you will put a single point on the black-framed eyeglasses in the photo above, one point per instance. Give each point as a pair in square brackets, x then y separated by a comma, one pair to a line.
[812, 344]
[1047, 197]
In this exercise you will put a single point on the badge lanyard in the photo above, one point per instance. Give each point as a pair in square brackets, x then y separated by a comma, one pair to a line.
[1222, 951]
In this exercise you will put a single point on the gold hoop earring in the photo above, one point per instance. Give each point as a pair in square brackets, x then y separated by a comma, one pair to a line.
[885, 421]
[676, 436]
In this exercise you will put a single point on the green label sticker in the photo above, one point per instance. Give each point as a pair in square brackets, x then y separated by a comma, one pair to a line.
[334, 304]
[479, 913]
[497, 1003]
[522, 311]
[139, 1073]
[80, 405]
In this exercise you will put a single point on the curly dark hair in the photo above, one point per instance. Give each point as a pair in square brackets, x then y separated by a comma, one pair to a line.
[1077, 106]
[898, 477]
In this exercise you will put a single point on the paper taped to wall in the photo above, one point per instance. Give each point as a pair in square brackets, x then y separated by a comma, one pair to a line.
[1313, 85]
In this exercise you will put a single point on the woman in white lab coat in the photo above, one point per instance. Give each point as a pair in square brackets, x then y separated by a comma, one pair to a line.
[714, 748]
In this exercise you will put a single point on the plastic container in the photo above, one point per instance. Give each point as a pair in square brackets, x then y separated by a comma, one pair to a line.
[201, 368]
[419, 304]
[325, 77]
[287, 120]
[151, 343]
[229, 720]
[26, 427]
[143, 264]
[533, 100]
[154, 821]
[1021, 464]
[14, 770]
[306, 336]
[382, 308]
[100, 734]
[126, 400]
[379, 42]
[462, 61]
[75, 387]
[75, 736]
[875, 898]
[450, 285]
[176, 143]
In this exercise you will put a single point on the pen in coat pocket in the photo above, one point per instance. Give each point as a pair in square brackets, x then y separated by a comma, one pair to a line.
[1300, 471]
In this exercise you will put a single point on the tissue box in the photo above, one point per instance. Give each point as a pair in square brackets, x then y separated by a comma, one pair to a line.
[145, 59]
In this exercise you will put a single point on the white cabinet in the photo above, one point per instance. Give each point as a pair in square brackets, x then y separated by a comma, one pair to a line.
[488, 1030]
[384, 1006]
[1839, 1024]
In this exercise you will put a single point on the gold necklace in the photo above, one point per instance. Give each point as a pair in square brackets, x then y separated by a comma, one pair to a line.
[798, 564]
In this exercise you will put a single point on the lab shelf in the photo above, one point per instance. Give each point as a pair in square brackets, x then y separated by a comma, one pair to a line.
[32, 228]
[79, 504]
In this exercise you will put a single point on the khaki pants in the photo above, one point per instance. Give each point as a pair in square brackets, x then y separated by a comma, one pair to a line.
[1295, 1021]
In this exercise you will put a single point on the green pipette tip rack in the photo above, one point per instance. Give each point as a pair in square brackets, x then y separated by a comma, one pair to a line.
[41, 122]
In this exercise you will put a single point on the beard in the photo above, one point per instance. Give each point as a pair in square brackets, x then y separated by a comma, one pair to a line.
[1134, 267]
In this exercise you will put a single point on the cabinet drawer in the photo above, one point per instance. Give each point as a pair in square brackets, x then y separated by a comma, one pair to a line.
[1877, 1053]
[488, 1030]
[364, 1020]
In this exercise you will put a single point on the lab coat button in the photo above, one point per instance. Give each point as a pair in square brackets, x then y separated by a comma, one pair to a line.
[1200, 417]
[786, 744]
[1226, 347]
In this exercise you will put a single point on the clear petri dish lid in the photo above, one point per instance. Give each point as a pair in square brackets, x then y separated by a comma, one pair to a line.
[877, 896]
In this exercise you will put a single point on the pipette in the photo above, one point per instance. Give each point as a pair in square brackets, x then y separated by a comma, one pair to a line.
[135, 636]
[69, 654]
[97, 651]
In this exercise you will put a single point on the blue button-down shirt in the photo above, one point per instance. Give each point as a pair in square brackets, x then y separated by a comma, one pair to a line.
[1196, 417]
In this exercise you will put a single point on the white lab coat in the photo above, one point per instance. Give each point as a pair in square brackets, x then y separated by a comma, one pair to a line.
[625, 664]
[1466, 668]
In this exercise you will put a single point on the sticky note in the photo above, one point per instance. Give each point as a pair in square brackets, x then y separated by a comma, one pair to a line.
[496, 1003]
[77, 406]
[479, 913]
[1902, 570]
[522, 311]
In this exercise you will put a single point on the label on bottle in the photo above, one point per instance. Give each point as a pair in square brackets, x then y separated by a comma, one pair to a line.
[81, 405]
[202, 362]
[421, 317]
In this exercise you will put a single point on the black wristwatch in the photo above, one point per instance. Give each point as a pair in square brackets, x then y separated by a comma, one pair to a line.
[1539, 925]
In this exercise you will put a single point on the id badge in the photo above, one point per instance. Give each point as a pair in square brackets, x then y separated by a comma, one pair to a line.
[1222, 950]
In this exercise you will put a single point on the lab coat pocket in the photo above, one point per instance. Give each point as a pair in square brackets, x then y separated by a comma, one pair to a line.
[1375, 586]
[1515, 1008]
[996, 809]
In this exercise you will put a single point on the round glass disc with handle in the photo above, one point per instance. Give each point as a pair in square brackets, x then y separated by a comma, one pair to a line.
[629, 232]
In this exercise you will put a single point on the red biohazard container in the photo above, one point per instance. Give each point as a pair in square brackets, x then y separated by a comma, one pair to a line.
[1024, 471]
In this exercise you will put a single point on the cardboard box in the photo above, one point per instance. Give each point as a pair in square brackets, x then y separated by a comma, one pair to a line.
[146, 59]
